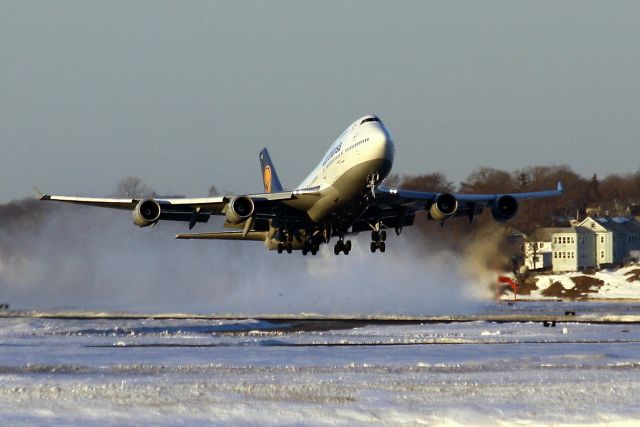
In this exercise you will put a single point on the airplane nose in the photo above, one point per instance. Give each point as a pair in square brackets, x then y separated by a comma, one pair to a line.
[384, 145]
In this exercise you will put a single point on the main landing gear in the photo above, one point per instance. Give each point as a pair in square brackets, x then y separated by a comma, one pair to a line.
[377, 240]
[285, 246]
[286, 243]
[310, 247]
[342, 246]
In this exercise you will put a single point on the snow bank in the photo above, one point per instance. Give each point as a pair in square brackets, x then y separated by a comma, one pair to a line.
[622, 283]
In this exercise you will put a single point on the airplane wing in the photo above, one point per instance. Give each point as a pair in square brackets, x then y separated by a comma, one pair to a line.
[261, 206]
[396, 206]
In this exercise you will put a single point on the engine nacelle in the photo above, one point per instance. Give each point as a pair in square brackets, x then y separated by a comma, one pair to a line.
[239, 210]
[147, 212]
[504, 208]
[444, 206]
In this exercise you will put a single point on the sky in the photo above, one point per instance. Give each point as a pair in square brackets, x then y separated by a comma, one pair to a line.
[184, 95]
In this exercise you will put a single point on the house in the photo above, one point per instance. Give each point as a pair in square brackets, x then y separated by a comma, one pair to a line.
[592, 243]
[573, 249]
[537, 251]
[616, 238]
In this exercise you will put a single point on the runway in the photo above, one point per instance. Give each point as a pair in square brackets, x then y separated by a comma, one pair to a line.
[114, 369]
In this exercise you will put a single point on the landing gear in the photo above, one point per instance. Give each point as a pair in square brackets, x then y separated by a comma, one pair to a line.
[372, 182]
[377, 236]
[377, 241]
[310, 248]
[377, 245]
[342, 246]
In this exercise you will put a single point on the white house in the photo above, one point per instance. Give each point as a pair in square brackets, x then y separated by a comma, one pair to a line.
[616, 238]
[573, 249]
[592, 243]
[537, 250]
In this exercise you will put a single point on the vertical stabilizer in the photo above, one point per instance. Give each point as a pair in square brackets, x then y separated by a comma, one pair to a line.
[269, 175]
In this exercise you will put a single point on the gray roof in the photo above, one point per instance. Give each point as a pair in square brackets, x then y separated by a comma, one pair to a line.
[615, 225]
[619, 224]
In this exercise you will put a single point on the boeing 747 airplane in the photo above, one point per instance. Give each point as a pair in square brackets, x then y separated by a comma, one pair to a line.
[343, 195]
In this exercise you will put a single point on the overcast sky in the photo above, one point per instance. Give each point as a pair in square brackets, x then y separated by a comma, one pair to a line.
[185, 94]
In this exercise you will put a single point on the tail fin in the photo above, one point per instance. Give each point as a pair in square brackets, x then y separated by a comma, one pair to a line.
[269, 175]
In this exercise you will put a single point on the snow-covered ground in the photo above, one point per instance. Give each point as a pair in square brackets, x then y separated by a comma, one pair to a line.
[203, 372]
[623, 284]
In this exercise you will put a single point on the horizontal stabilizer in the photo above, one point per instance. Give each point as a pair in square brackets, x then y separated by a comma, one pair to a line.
[226, 235]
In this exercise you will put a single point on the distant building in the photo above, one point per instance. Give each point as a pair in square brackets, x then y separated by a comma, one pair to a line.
[593, 243]
[573, 249]
[537, 249]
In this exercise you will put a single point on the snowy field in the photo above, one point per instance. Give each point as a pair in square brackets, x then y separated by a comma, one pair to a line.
[251, 372]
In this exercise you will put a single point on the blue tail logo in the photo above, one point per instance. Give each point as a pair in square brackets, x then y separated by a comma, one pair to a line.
[269, 175]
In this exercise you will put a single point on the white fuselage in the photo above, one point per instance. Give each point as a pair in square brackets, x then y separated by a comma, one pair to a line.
[358, 160]
[359, 143]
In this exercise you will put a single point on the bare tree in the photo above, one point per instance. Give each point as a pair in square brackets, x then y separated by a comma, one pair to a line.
[133, 187]
[435, 182]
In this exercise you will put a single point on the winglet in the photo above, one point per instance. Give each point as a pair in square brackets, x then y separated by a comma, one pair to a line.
[269, 176]
[40, 195]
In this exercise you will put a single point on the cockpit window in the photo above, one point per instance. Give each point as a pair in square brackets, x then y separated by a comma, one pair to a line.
[370, 119]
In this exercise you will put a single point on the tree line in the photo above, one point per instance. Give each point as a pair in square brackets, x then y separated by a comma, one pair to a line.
[614, 195]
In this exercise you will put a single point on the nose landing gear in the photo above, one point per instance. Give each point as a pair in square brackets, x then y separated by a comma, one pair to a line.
[372, 182]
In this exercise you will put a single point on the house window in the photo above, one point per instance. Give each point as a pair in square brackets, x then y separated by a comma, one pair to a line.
[601, 254]
[601, 239]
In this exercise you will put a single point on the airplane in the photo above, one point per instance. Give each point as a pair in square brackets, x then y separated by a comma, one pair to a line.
[344, 195]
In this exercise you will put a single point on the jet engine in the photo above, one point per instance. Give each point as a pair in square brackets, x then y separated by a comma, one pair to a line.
[239, 210]
[504, 208]
[444, 206]
[147, 212]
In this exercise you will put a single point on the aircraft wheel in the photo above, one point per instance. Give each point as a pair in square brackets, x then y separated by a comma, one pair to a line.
[279, 248]
[375, 236]
[373, 247]
[347, 246]
[289, 248]
[304, 251]
[336, 249]
[382, 246]
[314, 249]
[383, 235]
